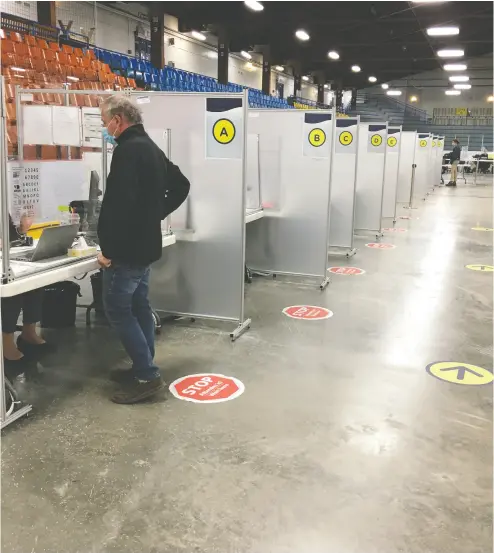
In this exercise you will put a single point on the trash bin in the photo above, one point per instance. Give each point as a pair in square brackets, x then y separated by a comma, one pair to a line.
[59, 304]
[97, 286]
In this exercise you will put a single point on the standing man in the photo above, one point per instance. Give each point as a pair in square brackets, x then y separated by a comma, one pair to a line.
[455, 159]
[129, 231]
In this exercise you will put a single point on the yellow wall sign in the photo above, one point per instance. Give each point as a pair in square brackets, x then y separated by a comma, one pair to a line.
[462, 111]
[392, 141]
[376, 140]
[484, 229]
[317, 137]
[460, 373]
[224, 131]
[486, 268]
[439, 144]
[423, 143]
[346, 138]
[433, 143]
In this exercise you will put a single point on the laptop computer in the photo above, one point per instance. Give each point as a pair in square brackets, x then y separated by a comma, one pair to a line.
[54, 242]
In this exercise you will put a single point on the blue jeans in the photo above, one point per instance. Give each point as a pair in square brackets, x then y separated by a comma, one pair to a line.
[125, 298]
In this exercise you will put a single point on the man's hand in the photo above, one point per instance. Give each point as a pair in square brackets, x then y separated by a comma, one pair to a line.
[103, 261]
[25, 223]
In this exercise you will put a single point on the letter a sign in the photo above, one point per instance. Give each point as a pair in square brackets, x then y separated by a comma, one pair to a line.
[224, 123]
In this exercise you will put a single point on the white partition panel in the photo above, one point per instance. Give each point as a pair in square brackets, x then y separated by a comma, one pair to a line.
[393, 145]
[407, 159]
[292, 237]
[343, 181]
[439, 159]
[252, 173]
[423, 147]
[202, 275]
[370, 176]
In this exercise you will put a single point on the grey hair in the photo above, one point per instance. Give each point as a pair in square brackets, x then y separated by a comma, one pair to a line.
[123, 106]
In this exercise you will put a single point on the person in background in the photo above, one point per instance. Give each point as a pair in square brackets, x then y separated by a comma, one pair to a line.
[129, 231]
[454, 159]
[30, 345]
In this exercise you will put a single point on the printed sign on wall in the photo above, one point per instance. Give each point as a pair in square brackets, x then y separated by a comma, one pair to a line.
[393, 141]
[317, 134]
[224, 128]
[26, 194]
[346, 136]
[423, 140]
[376, 139]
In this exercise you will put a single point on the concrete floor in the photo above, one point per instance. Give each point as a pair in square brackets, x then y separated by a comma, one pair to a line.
[341, 443]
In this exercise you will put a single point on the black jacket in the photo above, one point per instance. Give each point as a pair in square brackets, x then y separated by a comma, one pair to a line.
[129, 226]
[455, 154]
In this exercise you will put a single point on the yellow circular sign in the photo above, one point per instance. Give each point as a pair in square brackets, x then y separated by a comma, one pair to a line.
[460, 373]
[433, 144]
[423, 143]
[346, 138]
[317, 137]
[224, 131]
[392, 141]
[484, 229]
[439, 144]
[478, 267]
[376, 140]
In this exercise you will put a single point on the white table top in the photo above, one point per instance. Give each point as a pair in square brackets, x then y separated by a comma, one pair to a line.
[55, 271]
[253, 215]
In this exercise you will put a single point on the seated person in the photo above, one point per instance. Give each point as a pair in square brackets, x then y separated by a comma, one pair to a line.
[29, 344]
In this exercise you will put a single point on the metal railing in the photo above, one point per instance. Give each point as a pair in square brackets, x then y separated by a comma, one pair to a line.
[462, 120]
[18, 24]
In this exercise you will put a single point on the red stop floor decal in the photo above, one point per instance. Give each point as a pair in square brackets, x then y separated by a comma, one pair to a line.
[346, 271]
[380, 246]
[307, 312]
[207, 388]
[394, 229]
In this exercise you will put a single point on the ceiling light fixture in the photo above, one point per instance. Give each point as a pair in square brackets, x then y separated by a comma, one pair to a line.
[413, 99]
[356, 68]
[245, 55]
[326, 86]
[254, 5]
[490, 98]
[452, 92]
[372, 79]
[455, 67]
[333, 55]
[302, 35]
[197, 35]
[462, 86]
[72, 78]
[305, 78]
[459, 78]
[451, 53]
[21, 69]
[443, 31]
[393, 92]
[279, 68]
[385, 86]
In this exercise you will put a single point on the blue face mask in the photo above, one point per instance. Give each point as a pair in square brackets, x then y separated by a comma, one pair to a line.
[108, 137]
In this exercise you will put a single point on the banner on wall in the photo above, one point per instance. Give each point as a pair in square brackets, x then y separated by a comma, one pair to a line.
[376, 139]
[224, 128]
[317, 134]
[346, 136]
[394, 137]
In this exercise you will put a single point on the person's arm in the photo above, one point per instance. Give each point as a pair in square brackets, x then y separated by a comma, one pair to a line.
[117, 208]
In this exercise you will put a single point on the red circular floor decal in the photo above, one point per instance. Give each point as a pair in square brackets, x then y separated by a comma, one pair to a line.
[346, 271]
[395, 229]
[307, 312]
[380, 246]
[207, 388]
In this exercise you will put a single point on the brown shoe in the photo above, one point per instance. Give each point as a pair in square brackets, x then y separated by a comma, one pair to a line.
[137, 390]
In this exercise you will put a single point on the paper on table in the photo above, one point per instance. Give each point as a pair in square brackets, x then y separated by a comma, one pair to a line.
[66, 125]
[37, 124]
